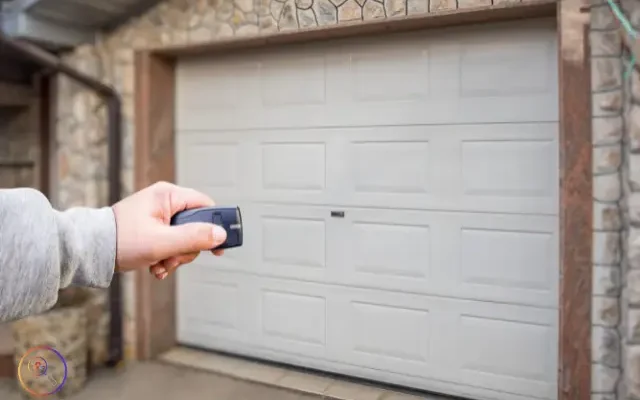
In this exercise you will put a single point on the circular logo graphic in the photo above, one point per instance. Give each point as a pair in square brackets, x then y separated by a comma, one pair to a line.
[42, 371]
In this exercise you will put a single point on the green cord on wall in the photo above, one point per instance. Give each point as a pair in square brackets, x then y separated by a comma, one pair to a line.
[630, 31]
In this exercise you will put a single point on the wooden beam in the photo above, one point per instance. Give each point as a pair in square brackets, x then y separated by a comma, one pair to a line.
[576, 205]
[13, 94]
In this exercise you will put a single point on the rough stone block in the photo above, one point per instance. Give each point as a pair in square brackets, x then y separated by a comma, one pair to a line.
[602, 17]
[607, 103]
[605, 43]
[606, 73]
[607, 159]
[606, 248]
[414, 7]
[473, 3]
[374, 10]
[634, 172]
[633, 326]
[633, 207]
[607, 188]
[200, 35]
[606, 281]
[606, 216]
[630, 7]
[633, 126]
[605, 346]
[633, 287]
[605, 311]
[632, 372]
[394, 8]
[350, 10]
[633, 248]
[442, 5]
[123, 55]
[635, 85]
[603, 378]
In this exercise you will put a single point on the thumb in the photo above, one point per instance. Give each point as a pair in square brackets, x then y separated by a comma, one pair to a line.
[190, 238]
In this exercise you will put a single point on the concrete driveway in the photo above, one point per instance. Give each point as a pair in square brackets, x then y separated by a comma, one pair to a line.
[142, 381]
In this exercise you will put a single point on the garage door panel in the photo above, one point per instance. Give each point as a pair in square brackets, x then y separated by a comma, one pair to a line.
[294, 321]
[212, 163]
[503, 258]
[488, 168]
[455, 341]
[500, 347]
[498, 258]
[213, 305]
[294, 242]
[405, 79]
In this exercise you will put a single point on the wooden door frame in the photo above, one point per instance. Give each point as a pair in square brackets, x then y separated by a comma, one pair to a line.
[155, 161]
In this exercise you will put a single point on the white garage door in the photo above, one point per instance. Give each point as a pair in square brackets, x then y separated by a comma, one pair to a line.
[441, 151]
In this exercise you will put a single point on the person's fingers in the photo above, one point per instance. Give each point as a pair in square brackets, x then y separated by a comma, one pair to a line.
[158, 270]
[172, 241]
[162, 269]
[174, 262]
[217, 252]
[185, 198]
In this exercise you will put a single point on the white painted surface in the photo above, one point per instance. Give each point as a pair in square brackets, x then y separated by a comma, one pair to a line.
[441, 148]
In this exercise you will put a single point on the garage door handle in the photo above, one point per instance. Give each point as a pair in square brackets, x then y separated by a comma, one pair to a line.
[337, 214]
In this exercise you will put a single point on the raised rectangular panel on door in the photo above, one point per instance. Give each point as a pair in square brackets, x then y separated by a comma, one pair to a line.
[294, 242]
[504, 347]
[213, 162]
[504, 258]
[515, 168]
[297, 318]
[295, 166]
[386, 249]
[216, 89]
[213, 305]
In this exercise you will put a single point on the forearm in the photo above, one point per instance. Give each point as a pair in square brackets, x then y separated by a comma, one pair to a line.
[43, 250]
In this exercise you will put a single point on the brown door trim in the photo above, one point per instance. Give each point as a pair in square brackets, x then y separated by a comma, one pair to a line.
[155, 161]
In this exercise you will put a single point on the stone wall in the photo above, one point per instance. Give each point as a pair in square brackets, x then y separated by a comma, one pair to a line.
[630, 316]
[608, 128]
[19, 143]
[82, 154]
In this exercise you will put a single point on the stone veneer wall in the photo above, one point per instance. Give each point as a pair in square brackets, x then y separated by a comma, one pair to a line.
[630, 299]
[607, 132]
[82, 155]
[19, 142]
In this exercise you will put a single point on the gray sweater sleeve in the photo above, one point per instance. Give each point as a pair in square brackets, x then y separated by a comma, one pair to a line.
[43, 250]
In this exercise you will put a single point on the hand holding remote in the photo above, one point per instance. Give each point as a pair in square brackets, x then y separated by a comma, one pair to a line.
[146, 238]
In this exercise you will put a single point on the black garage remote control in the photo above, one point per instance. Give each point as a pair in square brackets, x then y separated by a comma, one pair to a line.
[227, 217]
